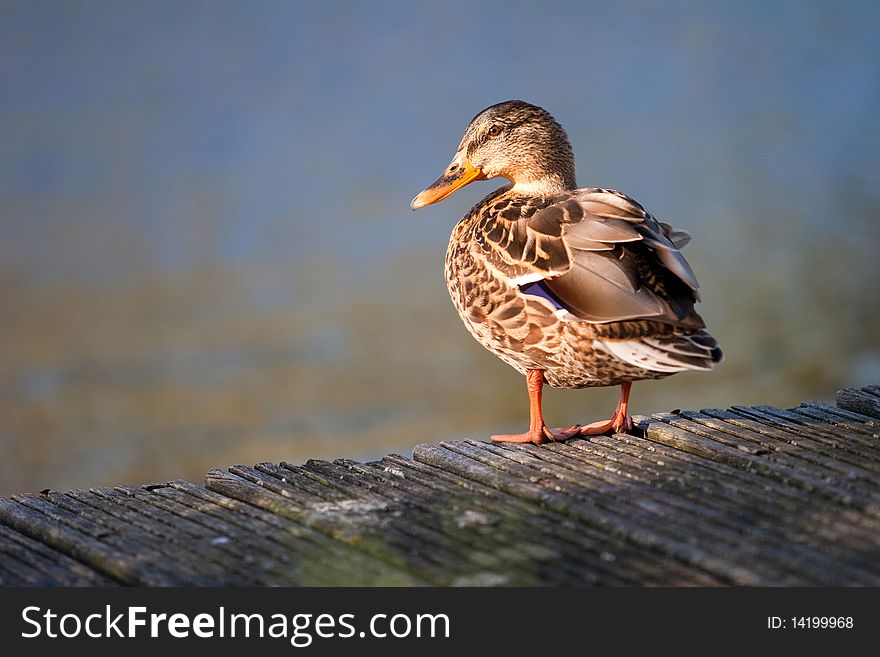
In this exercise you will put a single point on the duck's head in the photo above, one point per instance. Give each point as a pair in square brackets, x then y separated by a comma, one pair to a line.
[513, 140]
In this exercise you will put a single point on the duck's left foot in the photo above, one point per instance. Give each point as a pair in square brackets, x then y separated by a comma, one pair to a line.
[617, 424]
[620, 422]
[558, 435]
[537, 435]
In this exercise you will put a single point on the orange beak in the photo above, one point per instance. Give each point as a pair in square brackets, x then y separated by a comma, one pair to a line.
[459, 173]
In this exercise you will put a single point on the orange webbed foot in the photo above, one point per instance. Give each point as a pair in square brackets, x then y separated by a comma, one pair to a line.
[538, 436]
[617, 424]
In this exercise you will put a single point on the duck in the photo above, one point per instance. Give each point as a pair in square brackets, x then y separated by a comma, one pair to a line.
[572, 287]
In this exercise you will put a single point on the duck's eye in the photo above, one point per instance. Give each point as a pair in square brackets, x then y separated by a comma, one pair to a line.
[494, 131]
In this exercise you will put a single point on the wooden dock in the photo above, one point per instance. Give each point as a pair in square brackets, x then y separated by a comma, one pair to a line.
[748, 496]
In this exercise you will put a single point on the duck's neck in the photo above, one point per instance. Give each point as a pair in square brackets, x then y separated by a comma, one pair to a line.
[544, 186]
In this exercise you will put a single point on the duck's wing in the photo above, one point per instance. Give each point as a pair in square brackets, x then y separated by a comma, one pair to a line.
[599, 254]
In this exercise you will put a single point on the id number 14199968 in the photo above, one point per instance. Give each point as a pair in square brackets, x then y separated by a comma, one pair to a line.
[810, 623]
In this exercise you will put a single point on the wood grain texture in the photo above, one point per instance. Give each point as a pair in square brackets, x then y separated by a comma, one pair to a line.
[865, 401]
[740, 496]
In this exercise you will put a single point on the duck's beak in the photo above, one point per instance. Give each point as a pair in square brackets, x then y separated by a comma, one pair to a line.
[458, 174]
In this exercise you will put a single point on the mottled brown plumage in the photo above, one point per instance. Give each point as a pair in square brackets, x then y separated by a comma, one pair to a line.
[583, 286]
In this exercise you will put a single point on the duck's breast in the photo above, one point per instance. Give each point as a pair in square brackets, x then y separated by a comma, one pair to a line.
[521, 329]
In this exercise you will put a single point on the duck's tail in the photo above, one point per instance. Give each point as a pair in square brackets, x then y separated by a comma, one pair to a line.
[697, 350]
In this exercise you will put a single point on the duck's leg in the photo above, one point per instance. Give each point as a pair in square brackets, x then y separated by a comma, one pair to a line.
[538, 432]
[619, 421]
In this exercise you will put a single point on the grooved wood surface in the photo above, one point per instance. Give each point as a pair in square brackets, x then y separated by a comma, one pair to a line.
[740, 496]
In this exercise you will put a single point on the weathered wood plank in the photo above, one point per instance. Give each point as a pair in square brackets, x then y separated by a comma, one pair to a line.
[125, 565]
[865, 401]
[681, 517]
[733, 488]
[116, 524]
[27, 562]
[808, 426]
[799, 531]
[674, 435]
[845, 423]
[712, 519]
[623, 560]
[322, 560]
[747, 495]
[413, 526]
[340, 515]
[497, 528]
[499, 550]
[847, 451]
[414, 568]
[842, 423]
[488, 468]
[806, 454]
[191, 541]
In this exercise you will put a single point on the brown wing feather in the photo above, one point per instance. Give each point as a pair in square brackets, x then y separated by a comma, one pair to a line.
[661, 284]
[598, 251]
[505, 241]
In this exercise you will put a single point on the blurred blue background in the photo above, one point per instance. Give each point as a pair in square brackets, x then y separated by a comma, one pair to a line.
[207, 254]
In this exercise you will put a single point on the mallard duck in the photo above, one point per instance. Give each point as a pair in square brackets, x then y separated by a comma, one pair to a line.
[573, 287]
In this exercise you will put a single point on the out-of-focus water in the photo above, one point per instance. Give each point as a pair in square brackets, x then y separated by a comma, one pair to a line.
[207, 254]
